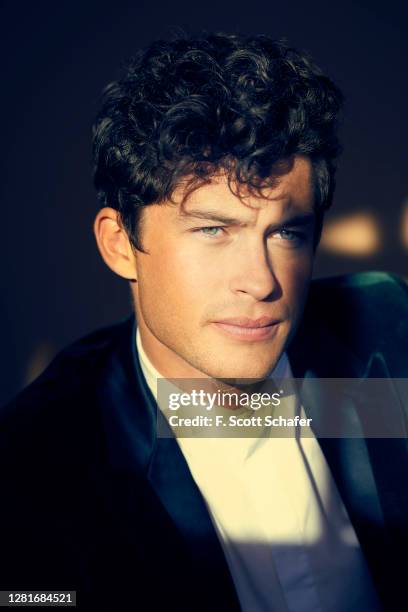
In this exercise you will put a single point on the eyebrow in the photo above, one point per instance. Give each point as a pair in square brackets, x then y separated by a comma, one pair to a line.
[302, 219]
[210, 215]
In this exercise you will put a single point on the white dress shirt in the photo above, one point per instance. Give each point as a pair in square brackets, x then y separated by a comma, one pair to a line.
[285, 532]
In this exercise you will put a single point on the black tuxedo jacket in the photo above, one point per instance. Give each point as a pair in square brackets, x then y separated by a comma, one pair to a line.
[92, 501]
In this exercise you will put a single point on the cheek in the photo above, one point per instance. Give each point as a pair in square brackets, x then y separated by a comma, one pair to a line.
[175, 279]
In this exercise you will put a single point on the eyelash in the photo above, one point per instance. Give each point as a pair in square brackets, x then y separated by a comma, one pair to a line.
[296, 235]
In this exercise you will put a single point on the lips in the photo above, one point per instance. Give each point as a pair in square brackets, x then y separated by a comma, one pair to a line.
[249, 330]
[248, 323]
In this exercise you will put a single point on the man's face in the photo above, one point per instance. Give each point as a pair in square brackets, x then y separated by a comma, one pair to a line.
[222, 284]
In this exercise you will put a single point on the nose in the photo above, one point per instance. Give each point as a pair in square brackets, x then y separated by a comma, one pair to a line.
[253, 274]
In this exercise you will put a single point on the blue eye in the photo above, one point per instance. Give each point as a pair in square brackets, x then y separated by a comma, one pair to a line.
[211, 230]
[288, 235]
[292, 236]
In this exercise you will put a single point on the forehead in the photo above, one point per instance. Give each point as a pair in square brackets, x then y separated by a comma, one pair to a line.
[292, 188]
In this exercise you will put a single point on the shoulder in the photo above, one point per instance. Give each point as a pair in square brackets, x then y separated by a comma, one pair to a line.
[373, 294]
[363, 283]
[60, 393]
[367, 311]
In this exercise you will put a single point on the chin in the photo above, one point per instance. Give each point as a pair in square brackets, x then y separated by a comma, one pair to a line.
[245, 371]
[244, 360]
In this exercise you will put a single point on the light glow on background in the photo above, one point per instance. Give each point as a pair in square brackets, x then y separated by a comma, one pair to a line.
[356, 235]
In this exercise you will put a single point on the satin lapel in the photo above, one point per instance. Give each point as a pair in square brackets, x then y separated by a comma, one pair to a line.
[171, 480]
[388, 455]
[373, 489]
[315, 355]
[130, 415]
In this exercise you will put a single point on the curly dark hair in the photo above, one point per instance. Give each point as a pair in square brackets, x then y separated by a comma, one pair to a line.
[188, 107]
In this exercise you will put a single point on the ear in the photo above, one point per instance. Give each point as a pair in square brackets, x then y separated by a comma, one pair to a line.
[113, 244]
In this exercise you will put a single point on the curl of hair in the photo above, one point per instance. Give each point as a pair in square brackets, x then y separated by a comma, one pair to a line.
[192, 106]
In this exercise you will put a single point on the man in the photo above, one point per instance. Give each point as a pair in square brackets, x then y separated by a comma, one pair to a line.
[214, 165]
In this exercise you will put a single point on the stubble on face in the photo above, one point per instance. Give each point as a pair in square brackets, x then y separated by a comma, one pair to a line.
[215, 256]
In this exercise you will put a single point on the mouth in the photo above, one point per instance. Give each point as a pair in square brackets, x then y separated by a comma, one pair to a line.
[250, 330]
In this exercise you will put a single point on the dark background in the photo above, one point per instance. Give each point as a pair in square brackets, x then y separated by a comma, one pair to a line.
[56, 58]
